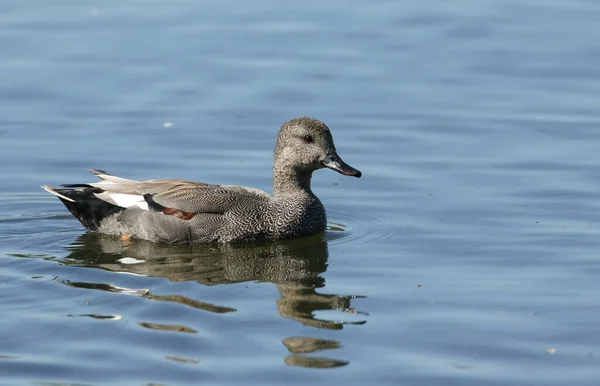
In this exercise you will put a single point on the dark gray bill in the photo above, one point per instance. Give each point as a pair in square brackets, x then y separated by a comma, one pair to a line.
[334, 162]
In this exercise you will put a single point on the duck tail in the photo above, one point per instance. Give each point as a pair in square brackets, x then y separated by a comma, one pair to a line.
[84, 205]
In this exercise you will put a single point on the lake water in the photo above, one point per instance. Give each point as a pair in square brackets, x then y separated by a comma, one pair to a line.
[468, 254]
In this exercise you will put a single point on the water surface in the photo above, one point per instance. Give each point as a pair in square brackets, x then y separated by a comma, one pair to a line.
[466, 255]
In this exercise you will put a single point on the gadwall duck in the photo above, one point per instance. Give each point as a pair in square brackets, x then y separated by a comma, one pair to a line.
[178, 211]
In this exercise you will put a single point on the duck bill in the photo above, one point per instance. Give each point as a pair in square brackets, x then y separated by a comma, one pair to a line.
[334, 162]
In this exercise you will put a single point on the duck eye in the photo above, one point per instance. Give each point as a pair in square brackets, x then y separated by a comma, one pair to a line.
[309, 139]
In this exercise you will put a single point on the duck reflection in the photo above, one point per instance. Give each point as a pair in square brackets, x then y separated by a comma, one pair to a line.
[295, 266]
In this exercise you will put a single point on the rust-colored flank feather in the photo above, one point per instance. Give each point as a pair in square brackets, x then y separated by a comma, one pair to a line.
[179, 214]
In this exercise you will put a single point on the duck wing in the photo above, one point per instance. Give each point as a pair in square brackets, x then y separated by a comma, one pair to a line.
[180, 198]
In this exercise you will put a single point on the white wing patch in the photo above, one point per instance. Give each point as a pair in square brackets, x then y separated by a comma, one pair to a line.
[123, 200]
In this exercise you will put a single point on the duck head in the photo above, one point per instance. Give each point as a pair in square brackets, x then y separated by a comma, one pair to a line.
[305, 144]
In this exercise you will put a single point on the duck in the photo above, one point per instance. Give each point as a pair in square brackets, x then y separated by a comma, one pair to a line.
[180, 211]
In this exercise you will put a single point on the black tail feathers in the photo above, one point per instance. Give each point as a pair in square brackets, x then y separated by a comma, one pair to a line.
[84, 205]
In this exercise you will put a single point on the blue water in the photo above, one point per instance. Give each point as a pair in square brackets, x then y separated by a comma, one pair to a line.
[466, 255]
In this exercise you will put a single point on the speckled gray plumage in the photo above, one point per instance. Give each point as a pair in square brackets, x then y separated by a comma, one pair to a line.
[190, 212]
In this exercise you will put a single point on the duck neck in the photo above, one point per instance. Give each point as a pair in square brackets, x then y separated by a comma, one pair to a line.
[288, 180]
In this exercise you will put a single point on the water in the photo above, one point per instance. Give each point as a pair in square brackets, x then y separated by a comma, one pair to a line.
[466, 255]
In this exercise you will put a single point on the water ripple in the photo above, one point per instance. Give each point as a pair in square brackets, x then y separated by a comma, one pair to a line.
[145, 293]
[168, 327]
[364, 228]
